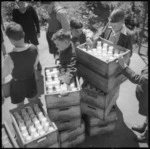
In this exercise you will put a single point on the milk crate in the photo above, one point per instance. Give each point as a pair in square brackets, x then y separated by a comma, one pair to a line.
[91, 121]
[100, 82]
[97, 98]
[57, 99]
[104, 68]
[71, 133]
[68, 124]
[64, 113]
[50, 137]
[73, 141]
[97, 130]
[9, 136]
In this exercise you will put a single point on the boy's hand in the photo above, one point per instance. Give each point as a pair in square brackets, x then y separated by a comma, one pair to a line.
[89, 42]
[38, 35]
[121, 62]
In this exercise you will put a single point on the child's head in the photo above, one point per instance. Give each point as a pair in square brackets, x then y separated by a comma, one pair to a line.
[21, 4]
[76, 27]
[15, 33]
[62, 39]
[116, 19]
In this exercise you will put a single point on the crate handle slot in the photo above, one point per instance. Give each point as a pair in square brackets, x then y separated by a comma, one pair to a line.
[91, 107]
[42, 139]
[66, 121]
[92, 94]
[72, 139]
[63, 109]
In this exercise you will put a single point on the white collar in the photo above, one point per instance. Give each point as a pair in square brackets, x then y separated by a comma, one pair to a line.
[123, 30]
[16, 49]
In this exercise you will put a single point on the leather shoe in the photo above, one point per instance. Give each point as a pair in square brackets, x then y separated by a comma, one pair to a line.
[139, 129]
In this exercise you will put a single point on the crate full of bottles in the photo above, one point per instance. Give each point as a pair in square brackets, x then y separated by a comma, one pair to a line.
[102, 57]
[58, 93]
[33, 127]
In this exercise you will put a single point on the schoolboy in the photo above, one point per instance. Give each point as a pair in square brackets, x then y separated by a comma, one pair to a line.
[21, 62]
[141, 94]
[66, 57]
[79, 34]
[116, 31]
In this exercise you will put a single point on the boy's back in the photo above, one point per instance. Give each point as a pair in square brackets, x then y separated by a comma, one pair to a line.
[24, 62]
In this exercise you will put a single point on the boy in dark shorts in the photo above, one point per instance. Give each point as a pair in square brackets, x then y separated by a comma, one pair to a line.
[21, 62]
[66, 57]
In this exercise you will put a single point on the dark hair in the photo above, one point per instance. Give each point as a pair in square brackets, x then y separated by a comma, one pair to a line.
[14, 31]
[116, 15]
[61, 35]
[76, 24]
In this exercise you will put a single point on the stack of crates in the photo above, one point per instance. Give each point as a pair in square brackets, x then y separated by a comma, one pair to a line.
[102, 78]
[99, 110]
[63, 107]
[33, 127]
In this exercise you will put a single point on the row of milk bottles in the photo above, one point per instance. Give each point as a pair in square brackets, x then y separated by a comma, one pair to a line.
[104, 53]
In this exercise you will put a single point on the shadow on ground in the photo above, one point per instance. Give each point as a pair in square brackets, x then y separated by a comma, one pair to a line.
[121, 137]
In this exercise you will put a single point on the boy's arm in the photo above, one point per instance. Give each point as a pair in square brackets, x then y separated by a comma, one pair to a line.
[131, 75]
[36, 20]
[7, 67]
[61, 16]
[14, 16]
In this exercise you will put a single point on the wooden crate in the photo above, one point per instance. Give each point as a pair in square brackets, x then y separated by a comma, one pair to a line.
[92, 110]
[64, 113]
[58, 100]
[73, 141]
[71, 133]
[10, 135]
[100, 82]
[93, 121]
[97, 99]
[68, 124]
[106, 69]
[96, 130]
[42, 141]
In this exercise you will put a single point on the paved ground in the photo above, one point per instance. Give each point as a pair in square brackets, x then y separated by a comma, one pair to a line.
[127, 105]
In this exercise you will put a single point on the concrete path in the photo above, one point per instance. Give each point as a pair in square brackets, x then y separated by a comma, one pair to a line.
[127, 104]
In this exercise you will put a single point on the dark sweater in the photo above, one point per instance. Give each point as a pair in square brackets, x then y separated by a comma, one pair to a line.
[67, 58]
[28, 20]
[24, 63]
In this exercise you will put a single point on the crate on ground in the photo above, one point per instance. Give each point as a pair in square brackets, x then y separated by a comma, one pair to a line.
[8, 140]
[98, 98]
[99, 129]
[91, 121]
[92, 60]
[100, 82]
[73, 141]
[68, 124]
[45, 137]
[64, 113]
[59, 98]
[71, 133]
